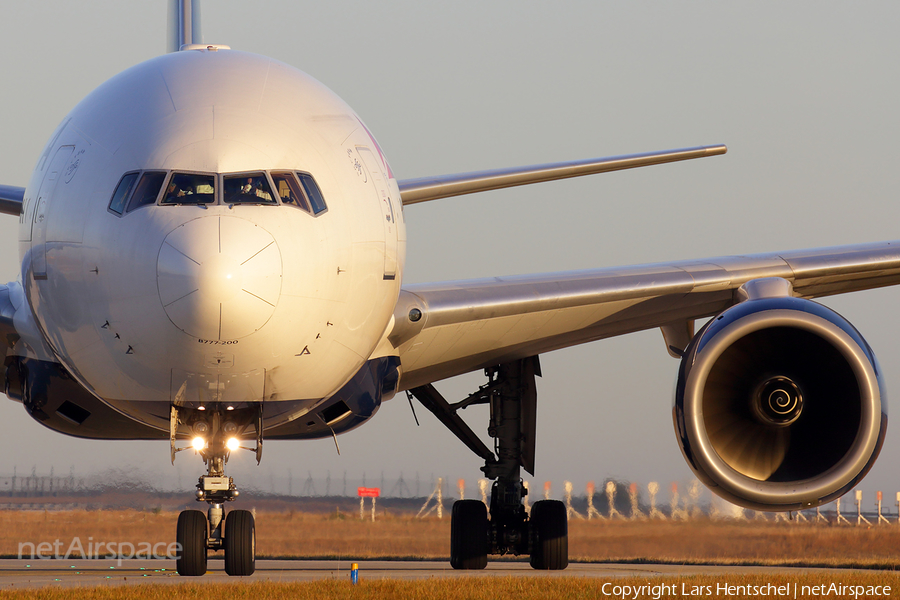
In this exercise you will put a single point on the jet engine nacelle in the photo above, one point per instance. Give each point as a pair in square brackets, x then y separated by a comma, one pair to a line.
[779, 404]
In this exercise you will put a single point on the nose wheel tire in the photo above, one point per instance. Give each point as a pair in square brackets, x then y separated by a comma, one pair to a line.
[191, 534]
[550, 536]
[240, 543]
[468, 535]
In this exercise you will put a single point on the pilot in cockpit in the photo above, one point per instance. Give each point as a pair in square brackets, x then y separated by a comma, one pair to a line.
[173, 192]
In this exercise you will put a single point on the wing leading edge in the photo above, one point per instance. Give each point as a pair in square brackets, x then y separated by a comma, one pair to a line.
[462, 326]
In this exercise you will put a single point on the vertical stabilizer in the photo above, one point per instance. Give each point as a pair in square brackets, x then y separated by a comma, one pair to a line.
[184, 24]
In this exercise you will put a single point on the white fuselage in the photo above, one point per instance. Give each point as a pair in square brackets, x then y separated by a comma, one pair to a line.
[192, 303]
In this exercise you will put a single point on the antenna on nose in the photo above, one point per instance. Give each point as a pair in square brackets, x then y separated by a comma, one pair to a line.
[184, 24]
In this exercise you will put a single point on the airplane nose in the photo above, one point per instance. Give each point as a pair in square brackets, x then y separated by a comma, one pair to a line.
[219, 277]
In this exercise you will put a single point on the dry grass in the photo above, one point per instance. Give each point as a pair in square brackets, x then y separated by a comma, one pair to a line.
[490, 588]
[321, 535]
[317, 535]
[733, 542]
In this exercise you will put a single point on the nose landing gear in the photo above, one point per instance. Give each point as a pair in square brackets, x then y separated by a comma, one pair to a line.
[216, 434]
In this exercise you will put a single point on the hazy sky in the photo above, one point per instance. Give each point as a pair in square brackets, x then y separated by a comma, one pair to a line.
[805, 95]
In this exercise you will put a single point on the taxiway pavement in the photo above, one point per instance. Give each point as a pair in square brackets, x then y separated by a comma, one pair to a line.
[38, 573]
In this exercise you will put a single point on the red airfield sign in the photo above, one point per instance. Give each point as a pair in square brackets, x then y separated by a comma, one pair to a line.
[368, 492]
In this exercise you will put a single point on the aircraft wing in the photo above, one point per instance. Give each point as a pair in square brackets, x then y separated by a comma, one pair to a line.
[424, 189]
[11, 199]
[463, 326]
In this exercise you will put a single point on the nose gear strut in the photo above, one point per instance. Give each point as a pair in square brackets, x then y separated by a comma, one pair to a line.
[196, 533]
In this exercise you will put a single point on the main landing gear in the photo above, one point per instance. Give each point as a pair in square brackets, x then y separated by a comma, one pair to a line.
[217, 432]
[511, 394]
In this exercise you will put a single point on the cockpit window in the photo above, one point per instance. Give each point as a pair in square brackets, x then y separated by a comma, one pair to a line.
[289, 191]
[147, 190]
[248, 188]
[312, 192]
[190, 188]
[120, 196]
[295, 189]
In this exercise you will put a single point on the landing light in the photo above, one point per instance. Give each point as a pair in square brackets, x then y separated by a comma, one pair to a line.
[198, 443]
[233, 443]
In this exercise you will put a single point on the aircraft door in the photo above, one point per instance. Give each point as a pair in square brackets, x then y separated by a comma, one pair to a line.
[41, 211]
[376, 176]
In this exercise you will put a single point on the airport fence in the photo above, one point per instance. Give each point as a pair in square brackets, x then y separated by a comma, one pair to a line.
[612, 500]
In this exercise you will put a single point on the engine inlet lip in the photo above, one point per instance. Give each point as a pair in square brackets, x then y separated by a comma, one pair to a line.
[765, 495]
